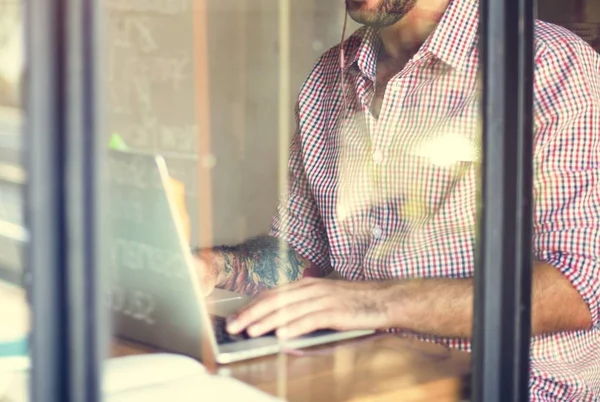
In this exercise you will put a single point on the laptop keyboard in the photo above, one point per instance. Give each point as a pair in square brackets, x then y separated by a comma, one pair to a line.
[222, 336]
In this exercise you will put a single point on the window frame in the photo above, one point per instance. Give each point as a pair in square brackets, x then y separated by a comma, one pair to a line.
[504, 262]
[64, 199]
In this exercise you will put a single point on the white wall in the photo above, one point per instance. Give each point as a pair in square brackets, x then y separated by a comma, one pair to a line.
[244, 89]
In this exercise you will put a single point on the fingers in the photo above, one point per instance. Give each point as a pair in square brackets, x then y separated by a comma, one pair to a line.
[272, 301]
[282, 317]
[324, 319]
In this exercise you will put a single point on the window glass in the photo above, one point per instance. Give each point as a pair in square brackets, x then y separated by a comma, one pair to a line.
[582, 17]
[14, 313]
[286, 159]
[247, 152]
[11, 174]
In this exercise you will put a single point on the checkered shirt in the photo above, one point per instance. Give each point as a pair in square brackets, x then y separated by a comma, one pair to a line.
[395, 197]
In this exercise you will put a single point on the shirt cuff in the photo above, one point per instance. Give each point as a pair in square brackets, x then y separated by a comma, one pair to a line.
[583, 273]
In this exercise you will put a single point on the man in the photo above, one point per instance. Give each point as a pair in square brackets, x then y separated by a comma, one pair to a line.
[383, 187]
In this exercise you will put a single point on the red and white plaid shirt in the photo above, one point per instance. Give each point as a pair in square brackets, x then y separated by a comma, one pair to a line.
[395, 197]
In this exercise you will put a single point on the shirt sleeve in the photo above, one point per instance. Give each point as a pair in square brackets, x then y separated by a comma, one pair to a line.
[298, 220]
[567, 166]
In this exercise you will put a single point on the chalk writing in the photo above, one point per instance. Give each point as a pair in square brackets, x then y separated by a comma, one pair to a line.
[151, 81]
[137, 75]
[133, 32]
[169, 70]
[120, 100]
[140, 135]
[131, 303]
[136, 256]
[125, 209]
[174, 139]
[133, 174]
[151, 88]
[166, 7]
[177, 138]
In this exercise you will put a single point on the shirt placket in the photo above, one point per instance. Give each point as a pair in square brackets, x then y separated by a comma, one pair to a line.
[383, 212]
[365, 93]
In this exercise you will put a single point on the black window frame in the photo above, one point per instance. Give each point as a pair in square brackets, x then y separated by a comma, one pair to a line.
[63, 142]
[504, 262]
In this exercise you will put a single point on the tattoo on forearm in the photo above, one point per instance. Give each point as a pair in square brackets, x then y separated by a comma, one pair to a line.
[259, 264]
[227, 266]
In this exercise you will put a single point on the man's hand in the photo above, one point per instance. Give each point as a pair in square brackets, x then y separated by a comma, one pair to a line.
[433, 306]
[312, 304]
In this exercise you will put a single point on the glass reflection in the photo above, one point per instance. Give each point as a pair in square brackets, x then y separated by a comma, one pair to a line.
[14, 311]
[373, 179]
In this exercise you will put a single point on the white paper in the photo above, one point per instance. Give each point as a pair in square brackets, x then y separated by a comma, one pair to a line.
[151, 378]
[194, 389]
[133, 372]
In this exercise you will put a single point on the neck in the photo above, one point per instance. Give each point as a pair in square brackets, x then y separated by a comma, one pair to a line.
[403, 39]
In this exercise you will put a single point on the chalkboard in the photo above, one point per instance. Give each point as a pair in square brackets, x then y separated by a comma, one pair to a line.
[233, 45]
[151, 87]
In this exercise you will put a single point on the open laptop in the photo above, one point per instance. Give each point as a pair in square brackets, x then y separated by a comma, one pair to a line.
[154, 292]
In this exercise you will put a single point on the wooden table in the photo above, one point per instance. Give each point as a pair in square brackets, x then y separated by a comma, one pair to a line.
[377, 368]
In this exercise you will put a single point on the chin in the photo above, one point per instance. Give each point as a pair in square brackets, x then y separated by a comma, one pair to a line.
[361, 5]
[361, 13]
[379, 13]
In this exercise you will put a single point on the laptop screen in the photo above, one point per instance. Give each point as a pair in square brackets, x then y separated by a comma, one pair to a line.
[151, 288]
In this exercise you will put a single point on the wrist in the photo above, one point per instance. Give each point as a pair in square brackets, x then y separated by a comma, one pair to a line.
[393, 297]
[210, 265]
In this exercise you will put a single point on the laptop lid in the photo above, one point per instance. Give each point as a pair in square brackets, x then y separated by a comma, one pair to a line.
[154, 293]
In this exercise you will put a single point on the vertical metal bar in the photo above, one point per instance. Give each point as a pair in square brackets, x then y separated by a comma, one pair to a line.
[285, 119]
[504, 261]
[61, 140]
[83, 195]
[44, 139]
[98, 333]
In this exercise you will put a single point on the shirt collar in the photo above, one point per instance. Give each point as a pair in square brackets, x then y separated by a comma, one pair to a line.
[362, 50]
[456, 34]
[451, 42]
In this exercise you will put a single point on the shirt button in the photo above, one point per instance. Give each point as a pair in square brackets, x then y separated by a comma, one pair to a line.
[378, 156]
[377, 232]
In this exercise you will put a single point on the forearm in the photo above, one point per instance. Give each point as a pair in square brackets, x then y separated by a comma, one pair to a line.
[255, 265]
[444, 307]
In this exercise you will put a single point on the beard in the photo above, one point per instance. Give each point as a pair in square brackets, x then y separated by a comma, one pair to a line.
[381, 15]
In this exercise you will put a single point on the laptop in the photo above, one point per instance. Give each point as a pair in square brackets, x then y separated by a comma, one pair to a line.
[153, 289]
